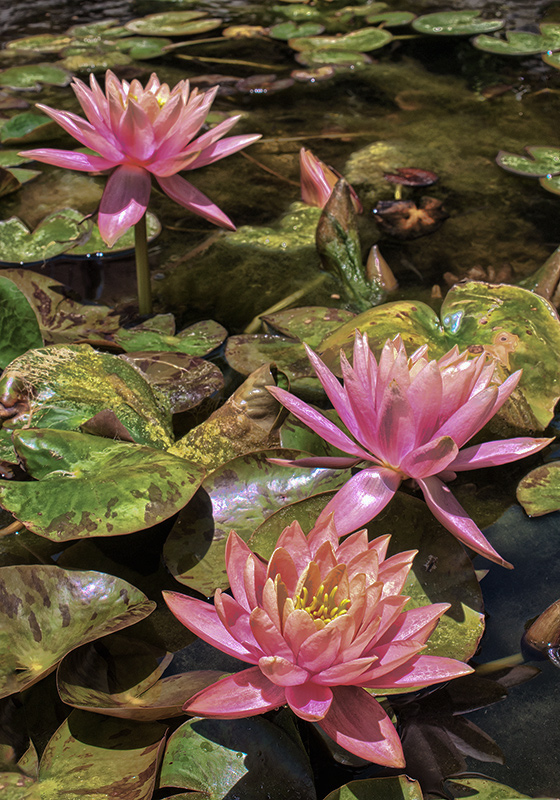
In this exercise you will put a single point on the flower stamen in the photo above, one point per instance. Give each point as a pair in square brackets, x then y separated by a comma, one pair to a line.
[322, 606]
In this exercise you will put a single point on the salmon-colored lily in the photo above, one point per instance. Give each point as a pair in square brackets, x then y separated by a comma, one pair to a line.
[409, 417]
[319, 621]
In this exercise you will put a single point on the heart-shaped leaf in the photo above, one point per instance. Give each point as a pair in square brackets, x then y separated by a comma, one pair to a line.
[48, 611]
[400, 787]
[89, 486]
[196, 340]
[31, 76]
[539, 162]
[521, 43]
[173, 23]
[455, 23]
[55, 234]
[16, 339]
[28, 127]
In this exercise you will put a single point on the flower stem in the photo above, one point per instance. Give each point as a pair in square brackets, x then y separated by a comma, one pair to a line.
[142, 267]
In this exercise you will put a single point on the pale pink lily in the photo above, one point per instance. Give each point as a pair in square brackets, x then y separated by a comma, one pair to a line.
[318, 180]
[409, 419]
[139, 132]
[319, 621]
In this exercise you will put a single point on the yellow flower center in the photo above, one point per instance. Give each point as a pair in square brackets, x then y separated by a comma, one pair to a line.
[321, 606]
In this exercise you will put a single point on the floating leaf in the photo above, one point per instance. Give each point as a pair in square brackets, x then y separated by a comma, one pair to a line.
[123, 678]
[455, 23]
[184, 380]
[539, 162]
[298, 12]
[173, 23]
[287, 30]
[238, 495]
[95, 62]
[539, 491]
[64, 386]
[551, 183]
[15, 339]
[196, 340]
[480, 789]
[400, 787]
[96, 246]
[90, 486]
[32, 76]
[309, 324]
[41, 43]
[48, 611]
[28, 127]
[143, 48]
[363, 40]
[316, 56]
[295, 230]
[246, 758]
[552, 59]
[11, 158]
[108, 28]
[8, 182]
[57, 233]
[522, 43]
[391, 18]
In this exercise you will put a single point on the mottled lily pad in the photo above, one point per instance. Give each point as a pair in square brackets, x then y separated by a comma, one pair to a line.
[108, 28]
[296, 229]
[96, 246]
[391, 18]
[480, 788]
[123, 678]
[331, 56]
[309, 324]
[196, 340]
[87, 62]
[29, 126]
[48, 611]
[521, 43]
[551, 183]
[552, 59]
[173, 23]
[57, 233]
[287, 30]
[400, 787]
[90, 486]
[299, 12]
[455, 23]
[65, 386]
[141, 48]
[363, 40]
[16, 339]
[41, 43]
[539, 162]
[519, 328]
[32, 76]
[184, 380]
[238, 495]
[539, 491]
[249, 758]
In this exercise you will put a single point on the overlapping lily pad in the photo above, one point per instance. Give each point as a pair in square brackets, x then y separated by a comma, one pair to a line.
[398, 788]
[65, 386]
[539, 161]
[238, 495]
[455, 23]
[29, 126]
[16, 339]
[522, 43]
[33, 76]
[48, 611]
[57, 233]
[539, 491]
[90, 486]
[173, 23]
[196, 340]
[123, 678]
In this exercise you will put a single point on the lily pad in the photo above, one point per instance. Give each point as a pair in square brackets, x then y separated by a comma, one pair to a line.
[551, 183]
[196, 340]
[295, 230]
[90, 486]
[539, 491]
[552, 59]
[16, 339]
[391, 18]
[539, 161]
[96, 246]
[123, 678]
[521, 43]
[65, 386]
[309, 324]
[57, 233]
[141, 48]
[363, 40]
[28, 127]
[8, 182]
[480, 788]
[331, 56]
[173, 23]
[238, 495]
[519, 328]
[455, 23]
[32, 76]
[250, 758]
[48, 611]
[108, 28]
[95, 62]
[299, 12]
[11, 158]
[41, 43]
[287, 30]
[400, 787]
[184, 380]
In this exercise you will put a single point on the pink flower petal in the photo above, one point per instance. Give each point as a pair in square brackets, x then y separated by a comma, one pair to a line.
[218, 150]
[429, 458]
[346, 673]
[241, 695]
[356, 721]
[424, 395]
[309, 701]
[237, 554]
[416, 623]
[421, 671]
[361, 498]
[268, 636]
[85, 133]
[188, 196]
[135, 133]
[319, 651]
[295, 542]
[453, 516]
[298, 628]
[491, 454]
[124, 201]
[281, 563]
[69, 159]
[396, 430]
[282, 672]
[470, 417]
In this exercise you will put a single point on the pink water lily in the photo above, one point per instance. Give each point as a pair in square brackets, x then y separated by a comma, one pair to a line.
[319, 621]
[318, 180]
[139, 132]
[409, 418]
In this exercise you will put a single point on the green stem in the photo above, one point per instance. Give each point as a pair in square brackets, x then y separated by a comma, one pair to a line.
[142, 267]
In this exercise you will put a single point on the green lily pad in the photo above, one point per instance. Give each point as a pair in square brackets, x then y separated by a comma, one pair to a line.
[41, 43]
[455, 23]
[330, 56]
[196, 340]
[8, 182]
[24, 175]
[107, 28]
[145, 47]
[519, 328]
[32, 76]
[11, 158]
[96, 246]
[123, 678]
[363, 40]
[28, 127]
[184, 380]
[238, 495]
[481, 789]
[552, 59]
[16, 339]
[173, 23]
[48, 611]
[539, 161]
[298, 12]
[295, 230]
[112, 758]
[68, 386]
[391, 18]
[95, 62]
[61, 317]
[247, 758]
[521, 43]
[551, 183]
[309, 324]
[441, 572]
[401, 787]
[539, 491]
[90, 486]
[287, 30]
[57, 233]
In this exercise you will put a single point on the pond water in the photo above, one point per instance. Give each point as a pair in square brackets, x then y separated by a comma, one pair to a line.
[431, 103]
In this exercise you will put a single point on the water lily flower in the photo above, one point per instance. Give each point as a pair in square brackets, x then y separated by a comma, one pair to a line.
[409, 417]
[319, 621]
[138, 132]
[318, 180]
